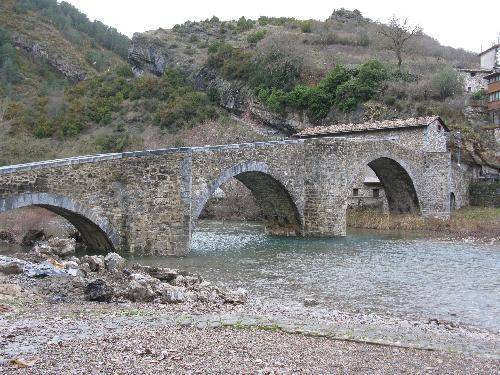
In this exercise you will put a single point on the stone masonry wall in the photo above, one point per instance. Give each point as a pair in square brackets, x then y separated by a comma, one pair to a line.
[149, 201]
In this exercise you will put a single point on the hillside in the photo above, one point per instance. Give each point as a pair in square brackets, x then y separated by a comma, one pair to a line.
[208, 82]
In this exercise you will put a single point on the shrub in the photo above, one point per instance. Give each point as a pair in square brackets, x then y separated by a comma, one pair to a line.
[112, 142]
[447, 82]
[96, 59]
[362, 39]
[479, 94]
[275, 69]
[232, 63]
[184, 110]
[9, 60]
[244, 25]
[334, 78]
[346, 88]
[256, 36]
[306, 26]
[124, 70]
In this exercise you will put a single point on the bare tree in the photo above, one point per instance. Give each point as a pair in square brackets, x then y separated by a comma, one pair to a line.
[399, 32]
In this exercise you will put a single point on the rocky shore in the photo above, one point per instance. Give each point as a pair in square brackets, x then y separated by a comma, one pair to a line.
[60, 313]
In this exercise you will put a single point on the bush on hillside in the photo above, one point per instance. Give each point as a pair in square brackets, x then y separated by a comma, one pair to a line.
[480, 94]
[256, 36]
[232, 63]
[9, 61]
[343, 87]
[244, 24]
[65, 16]
[275, 69]
[447, 82]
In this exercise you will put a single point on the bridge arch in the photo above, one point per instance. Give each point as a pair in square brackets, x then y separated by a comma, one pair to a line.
[398, 180]
[95, 229]
[279, 207]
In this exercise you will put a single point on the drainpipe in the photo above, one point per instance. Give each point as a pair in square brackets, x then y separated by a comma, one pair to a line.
[459, 141]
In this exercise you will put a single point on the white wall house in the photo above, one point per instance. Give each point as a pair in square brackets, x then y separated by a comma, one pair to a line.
[490, 58]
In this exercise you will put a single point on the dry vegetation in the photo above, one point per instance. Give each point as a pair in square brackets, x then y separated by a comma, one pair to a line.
[469, 221]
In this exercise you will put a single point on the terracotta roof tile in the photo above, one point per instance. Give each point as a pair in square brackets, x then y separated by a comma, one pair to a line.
[368, 126]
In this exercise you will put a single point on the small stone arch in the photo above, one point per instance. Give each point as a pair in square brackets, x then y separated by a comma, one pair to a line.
[398, 182]
[281, 215]
[95, 229]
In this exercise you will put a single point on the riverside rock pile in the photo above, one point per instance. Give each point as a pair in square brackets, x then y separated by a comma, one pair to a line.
[53, 269]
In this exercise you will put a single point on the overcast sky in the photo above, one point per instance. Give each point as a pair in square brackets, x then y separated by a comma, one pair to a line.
[454, 23]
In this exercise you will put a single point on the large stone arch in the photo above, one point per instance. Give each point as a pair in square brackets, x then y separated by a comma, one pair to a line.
[398, 179]
[95, 229]
[281, 215]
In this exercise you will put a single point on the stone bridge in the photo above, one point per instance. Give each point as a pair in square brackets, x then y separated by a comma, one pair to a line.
[149, 201]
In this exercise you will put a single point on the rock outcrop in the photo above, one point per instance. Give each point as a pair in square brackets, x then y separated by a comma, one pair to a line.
[155, 51]
[68, 68]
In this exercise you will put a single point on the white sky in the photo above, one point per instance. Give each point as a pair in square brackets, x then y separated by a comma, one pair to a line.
[454, 23]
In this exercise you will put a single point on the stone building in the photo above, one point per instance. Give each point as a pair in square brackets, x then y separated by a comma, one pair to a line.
[368, 193]
[474, 79]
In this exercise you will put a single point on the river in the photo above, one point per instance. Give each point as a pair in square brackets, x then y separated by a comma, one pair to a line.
[409, 276]
[390, 274]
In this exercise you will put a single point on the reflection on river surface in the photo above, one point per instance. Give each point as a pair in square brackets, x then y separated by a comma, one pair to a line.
[370, 272]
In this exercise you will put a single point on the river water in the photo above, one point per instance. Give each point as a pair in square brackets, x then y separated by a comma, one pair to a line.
[389, 274]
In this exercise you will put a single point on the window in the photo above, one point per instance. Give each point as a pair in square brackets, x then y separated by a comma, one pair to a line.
[494, 96]
[469, 89]
[355, 192]
[376, 193]
[472, 74]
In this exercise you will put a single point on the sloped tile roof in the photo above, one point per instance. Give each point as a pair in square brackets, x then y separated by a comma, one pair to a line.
[369, 126]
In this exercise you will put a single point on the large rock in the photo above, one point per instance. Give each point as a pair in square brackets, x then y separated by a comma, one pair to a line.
[11, 266]
[160, 273]
[98, 290]
[142, 288]
[68, 67]
[236, 297]
[45, 269]
[7, 236]
[114, 261]
[172, 294]
[95, 263]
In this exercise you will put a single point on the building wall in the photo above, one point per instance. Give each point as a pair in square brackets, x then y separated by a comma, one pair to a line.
[474, 80]
[490, 59]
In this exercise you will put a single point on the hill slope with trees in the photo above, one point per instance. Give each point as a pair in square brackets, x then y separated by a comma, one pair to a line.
[73, 86]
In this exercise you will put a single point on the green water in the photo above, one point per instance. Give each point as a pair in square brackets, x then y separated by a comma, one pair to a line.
[368, 272]
[389, 274]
